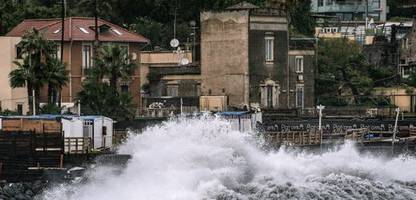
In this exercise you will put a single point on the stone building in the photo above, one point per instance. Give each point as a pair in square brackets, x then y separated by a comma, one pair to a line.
[245, 57]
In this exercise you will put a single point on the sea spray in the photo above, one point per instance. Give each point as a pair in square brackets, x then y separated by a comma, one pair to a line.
[203, 158]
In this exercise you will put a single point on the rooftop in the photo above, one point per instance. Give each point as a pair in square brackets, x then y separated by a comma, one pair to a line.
[78, 29]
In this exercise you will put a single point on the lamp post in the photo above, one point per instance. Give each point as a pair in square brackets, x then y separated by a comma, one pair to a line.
[395, 128]
[320, 109]
[193, 27]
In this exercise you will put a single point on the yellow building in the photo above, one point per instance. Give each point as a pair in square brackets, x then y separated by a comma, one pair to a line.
[10, 99]
[403, 98]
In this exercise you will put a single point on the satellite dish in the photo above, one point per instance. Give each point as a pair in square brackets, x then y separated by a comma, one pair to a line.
[184, 61]
[174, 43]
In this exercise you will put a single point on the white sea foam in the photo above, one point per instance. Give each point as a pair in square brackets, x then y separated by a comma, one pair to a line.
[204, 158]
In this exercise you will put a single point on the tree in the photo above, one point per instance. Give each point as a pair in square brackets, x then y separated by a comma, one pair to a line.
[57, 76]
[24, 76]
[13, 12]
[100, 97]
[114, 62]
[342, 70]
[39, 67]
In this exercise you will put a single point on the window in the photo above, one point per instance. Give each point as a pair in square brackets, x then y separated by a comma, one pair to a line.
[83, 30]
[269, 47]
[19, 109]
[300, 96]
[124, 88]
[269, 94]
[117, 31]
[299, 64]
[58, 52]
[198, 89]
[172, 90]
[320, 3]
[406, 71]
[18, 53]
[86, 56]
[329, 2]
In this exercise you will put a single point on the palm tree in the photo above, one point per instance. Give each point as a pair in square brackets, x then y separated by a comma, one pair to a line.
[57, 76]
[114, 62]
[33, 72]
[23, 76]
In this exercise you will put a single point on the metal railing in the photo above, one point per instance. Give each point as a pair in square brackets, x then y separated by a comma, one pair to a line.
[77, 145]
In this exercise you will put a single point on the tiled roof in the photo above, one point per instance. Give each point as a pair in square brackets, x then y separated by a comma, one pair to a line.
[82, 29]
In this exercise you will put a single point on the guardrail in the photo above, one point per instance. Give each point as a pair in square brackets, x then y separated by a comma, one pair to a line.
[77, 145]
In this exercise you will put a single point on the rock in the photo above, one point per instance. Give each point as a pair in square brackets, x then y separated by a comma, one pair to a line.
[29, 193]
[22, 197]
[37, 187]
[8, 191]
[76, 172]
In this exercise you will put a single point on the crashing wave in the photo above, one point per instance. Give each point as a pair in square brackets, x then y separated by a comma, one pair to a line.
[204, 158]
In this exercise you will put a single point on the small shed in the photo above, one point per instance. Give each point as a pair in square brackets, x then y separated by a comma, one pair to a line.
[99, 129]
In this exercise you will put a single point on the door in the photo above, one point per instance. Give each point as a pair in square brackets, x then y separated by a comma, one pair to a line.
[269, 96]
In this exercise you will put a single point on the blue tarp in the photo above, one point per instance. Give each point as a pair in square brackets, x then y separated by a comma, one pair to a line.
[234, 113]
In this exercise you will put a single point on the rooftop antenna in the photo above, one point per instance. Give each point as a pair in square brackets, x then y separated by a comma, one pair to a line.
[174, 43]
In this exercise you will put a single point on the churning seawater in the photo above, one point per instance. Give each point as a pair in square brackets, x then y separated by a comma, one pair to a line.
[203, 158]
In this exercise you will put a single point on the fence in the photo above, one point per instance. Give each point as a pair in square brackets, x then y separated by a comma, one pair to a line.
[295, 138]
[77, 145]
[22, 150]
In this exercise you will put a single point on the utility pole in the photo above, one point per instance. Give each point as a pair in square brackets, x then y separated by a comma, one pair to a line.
[63, 2]
[63, 11]
[96, 39]
[33, 102]
[366, 15]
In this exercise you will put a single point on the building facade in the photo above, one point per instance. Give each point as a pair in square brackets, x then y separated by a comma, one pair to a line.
[167, 85]
[351, 10]
[79, 37]
[245, 57]
[10, 99]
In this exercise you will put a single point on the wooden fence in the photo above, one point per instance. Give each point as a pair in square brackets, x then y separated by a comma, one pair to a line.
[294, 138]
[21, 150]
[31, 125]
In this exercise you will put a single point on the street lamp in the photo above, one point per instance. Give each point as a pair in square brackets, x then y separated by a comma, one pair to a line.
[320, 109]
[395, 128]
